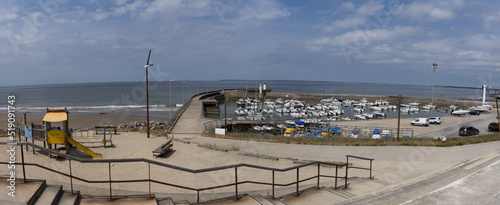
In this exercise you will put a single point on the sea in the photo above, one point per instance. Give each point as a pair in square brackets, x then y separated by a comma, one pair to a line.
[166, 96]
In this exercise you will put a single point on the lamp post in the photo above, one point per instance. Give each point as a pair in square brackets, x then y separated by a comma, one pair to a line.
[171, 99]
[147, 91]
[434, 67]
[183, 85]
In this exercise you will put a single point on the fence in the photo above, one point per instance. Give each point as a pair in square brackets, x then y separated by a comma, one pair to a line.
[234, 184]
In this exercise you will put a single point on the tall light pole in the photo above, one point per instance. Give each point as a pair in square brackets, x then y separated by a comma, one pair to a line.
[171, 99]
[147, 91]
[434, 67]
[183, 85]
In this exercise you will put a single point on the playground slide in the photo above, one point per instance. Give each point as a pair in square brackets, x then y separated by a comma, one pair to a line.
[83, 148]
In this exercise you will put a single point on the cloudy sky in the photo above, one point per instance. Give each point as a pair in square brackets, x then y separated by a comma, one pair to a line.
[380, 41]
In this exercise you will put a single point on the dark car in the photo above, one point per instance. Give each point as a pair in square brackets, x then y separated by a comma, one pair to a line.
[474, 112]
[493, 126]
[467, 131]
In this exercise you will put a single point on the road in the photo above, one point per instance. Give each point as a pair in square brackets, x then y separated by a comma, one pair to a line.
[452, 131]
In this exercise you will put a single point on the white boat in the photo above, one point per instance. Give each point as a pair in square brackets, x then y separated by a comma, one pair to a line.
[414, 109]
[376, 108]
[240, 111]
[240, 102]
[357, 110]
[460, 112]
[480, 108]
[359, 117]
[368, 115]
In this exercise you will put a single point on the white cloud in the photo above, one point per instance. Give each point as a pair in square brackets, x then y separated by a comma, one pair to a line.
[382, 49]
[263, 10]
[369, 8]
[482, 41]
[443, 46]
[6, 15]
[347, 6]
[359, 17]
[121, 2]
[475, 55]
[492, 20]
[431, 10]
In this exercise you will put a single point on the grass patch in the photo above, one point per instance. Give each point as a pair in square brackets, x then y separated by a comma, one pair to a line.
[348, 141]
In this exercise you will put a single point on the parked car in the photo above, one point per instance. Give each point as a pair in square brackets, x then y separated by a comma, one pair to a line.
[467, 131]
[474, 112]
[435, 120]
[421, 122]
[493, 126]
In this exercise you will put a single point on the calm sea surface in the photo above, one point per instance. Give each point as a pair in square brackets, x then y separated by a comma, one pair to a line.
[130, 97]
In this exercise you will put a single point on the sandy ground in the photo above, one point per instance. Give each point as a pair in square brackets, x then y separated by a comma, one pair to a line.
[136, 145]
[85, 121]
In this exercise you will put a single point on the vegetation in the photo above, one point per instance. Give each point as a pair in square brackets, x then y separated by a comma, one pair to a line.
[348, 141]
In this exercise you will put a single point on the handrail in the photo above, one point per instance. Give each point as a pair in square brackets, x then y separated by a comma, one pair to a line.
[234, 166]
[363, 168]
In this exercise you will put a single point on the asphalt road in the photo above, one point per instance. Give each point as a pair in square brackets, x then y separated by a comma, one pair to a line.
[481, 124]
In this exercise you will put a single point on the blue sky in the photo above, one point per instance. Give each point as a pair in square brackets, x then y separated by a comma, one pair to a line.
[390, 41]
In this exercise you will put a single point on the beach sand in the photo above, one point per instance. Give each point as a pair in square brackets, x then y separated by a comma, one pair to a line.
[85, 121]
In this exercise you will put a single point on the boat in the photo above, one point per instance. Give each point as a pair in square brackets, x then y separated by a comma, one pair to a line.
[480, 108]
[376, 108]
[240, 102]
[368, 115]
[359, 117]
[240, 111]
[460, 112]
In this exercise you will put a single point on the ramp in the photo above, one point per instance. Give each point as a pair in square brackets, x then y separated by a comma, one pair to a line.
[83, 148]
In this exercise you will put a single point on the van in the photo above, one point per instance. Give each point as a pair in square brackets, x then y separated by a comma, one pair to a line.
[421, 122]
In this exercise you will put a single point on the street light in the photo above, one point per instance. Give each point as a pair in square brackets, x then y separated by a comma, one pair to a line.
[171, 99]
[183, 85]
[434, 66]
[147, 91]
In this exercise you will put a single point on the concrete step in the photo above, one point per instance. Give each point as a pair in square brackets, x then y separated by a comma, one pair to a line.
[130, 200]
[69, 199]
[261, 200]
[51, 195]
[165, 201]
[184, 202]
[25, 193]
[339, 192]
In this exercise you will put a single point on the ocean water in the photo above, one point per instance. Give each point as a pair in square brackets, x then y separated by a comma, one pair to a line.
[130, 97]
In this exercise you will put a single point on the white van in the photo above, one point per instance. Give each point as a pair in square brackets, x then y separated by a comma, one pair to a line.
[421, 122]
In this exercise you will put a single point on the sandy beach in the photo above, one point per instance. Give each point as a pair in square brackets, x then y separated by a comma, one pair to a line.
[86, 121]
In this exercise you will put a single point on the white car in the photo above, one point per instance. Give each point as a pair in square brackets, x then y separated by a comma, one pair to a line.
[421, 122]
[435, 120]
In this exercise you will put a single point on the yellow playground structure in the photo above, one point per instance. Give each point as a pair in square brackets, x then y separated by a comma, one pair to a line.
[56, 135]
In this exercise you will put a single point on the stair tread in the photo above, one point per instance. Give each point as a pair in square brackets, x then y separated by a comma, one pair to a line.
[68, 198]
[24, 192]
[261, 200]
[49, 195]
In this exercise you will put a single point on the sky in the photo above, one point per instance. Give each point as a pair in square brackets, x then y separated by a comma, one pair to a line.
[379, 41]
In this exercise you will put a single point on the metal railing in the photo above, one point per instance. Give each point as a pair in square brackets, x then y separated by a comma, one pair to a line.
[363, 168]
[234, 184]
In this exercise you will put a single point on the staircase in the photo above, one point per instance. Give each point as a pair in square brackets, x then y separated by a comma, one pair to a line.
[39, 192]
